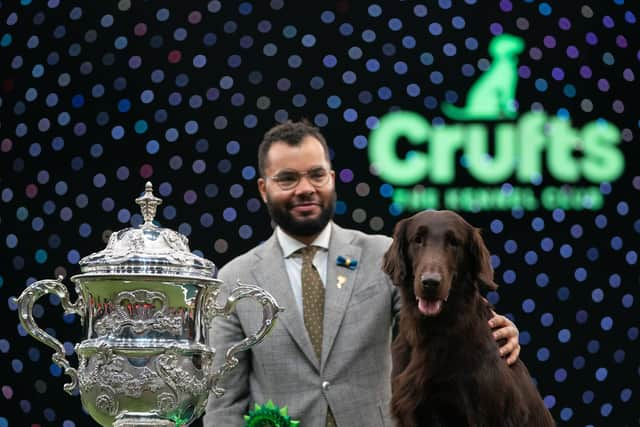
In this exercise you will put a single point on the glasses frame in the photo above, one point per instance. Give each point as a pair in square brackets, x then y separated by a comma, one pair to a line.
[300, 176]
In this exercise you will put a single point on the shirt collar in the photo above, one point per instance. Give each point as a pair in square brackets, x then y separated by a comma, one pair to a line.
[290, 245]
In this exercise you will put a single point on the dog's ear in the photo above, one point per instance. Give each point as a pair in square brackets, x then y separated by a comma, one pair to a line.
[481, 260]
[394, 260]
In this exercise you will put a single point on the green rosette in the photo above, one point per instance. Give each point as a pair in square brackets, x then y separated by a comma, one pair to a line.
[269, 415]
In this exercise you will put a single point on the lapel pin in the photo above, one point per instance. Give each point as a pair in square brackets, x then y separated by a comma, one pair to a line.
[341, 281]
[350, 263]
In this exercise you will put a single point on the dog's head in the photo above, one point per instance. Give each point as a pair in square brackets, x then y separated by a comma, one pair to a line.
[432, 252]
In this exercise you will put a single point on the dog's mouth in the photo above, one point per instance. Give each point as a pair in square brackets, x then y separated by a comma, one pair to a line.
[430, 307]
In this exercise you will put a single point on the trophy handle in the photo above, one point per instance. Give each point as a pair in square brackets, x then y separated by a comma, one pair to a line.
[270, 310]
[25, 302]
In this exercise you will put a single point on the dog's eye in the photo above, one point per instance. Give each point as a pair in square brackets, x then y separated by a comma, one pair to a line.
[417, 239]
[453, 242]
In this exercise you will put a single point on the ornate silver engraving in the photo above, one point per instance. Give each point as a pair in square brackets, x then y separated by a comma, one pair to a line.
[139, 311]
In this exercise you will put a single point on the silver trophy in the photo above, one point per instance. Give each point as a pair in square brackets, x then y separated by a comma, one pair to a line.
[146, 304]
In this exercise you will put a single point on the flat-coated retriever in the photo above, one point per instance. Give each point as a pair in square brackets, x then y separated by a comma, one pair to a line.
[447, 370]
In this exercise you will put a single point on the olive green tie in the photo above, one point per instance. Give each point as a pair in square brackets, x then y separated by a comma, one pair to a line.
[312, 298]
[313, 306]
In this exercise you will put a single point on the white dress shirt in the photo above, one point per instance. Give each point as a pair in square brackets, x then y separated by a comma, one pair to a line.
[293, 263]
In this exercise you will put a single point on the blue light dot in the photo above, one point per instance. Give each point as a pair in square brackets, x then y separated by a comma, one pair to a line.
[606, 323]
[560, 375]
[510, 246]
[593, 346]
[597, 295]
[386, 190]
[229, 214]
[546, 319]
[566, 414]
[549, 401]
[625, 394]
[564, 335]
[543, 354]
[588, 396]
[563, 293]
[528, 305]
[582, 316]
[566, 251]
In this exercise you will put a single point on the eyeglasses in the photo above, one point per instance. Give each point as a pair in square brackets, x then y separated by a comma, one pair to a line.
[289, 179]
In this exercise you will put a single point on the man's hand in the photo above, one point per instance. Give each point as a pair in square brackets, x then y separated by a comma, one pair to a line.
[505, 329]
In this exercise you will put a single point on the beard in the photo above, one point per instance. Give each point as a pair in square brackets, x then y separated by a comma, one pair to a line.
[280, 214]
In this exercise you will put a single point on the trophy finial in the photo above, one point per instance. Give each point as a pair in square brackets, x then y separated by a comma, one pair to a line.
[148, 203]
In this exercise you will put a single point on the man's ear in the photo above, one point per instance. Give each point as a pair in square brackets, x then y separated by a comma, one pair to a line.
[262, 188]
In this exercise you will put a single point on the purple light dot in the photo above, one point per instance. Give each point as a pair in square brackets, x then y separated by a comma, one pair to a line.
[190, 197]
[585, 72]
[573, 52]
[135, 62]
[564, 24]
[591, 38]
[608, 22]
[558, 73]
[550, 42]
[621, 41]
[628, 75]
[603, 85]
[506, 6]
[346, 175]
[496, 29]
[524, 71]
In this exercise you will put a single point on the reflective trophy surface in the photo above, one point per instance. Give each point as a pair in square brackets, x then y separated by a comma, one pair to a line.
[146, 304]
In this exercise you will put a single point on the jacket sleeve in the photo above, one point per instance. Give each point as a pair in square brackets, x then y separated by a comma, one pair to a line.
[229, 409]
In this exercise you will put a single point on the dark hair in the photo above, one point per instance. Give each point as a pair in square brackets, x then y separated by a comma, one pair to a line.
[291, 133]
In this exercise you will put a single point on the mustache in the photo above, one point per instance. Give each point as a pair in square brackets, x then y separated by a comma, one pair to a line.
[304, 200]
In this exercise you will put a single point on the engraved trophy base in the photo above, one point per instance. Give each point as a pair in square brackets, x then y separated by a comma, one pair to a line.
[142, 420]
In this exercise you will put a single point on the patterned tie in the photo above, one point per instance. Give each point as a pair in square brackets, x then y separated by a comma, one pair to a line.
[313, 305]
[312, 298]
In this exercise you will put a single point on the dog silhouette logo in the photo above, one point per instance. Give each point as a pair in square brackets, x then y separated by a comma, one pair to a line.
[493, 95]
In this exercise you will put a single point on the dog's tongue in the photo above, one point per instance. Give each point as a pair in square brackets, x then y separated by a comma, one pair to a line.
[429, 307]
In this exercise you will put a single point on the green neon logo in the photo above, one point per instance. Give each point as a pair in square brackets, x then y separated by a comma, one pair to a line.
[493, 96]
[523, 151]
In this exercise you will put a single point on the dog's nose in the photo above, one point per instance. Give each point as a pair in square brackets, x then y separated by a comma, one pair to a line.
[430, 280]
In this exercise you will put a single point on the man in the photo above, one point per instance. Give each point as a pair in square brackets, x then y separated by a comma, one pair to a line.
[342, 377]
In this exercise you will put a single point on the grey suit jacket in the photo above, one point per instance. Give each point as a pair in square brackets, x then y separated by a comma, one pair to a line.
[353, 375]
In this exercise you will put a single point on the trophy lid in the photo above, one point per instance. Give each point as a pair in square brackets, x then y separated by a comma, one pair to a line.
[148, 250]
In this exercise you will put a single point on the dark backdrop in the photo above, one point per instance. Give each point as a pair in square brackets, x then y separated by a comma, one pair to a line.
[96, 98]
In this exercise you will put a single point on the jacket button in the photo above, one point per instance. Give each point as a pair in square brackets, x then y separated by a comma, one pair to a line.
[325, 385]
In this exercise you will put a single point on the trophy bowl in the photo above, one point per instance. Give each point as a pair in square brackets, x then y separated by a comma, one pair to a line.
[146, 304]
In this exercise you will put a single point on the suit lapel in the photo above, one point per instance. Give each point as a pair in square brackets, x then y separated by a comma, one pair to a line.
[271, 274]
[340, 283]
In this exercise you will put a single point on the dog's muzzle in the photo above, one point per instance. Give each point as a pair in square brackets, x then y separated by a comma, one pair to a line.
[430, 281]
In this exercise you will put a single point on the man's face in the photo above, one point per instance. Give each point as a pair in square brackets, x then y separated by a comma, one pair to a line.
[305, 209]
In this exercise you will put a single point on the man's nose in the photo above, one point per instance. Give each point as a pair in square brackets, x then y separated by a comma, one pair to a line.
[304, 185]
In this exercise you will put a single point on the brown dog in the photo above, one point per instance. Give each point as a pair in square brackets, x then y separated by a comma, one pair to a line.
[446, 367]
